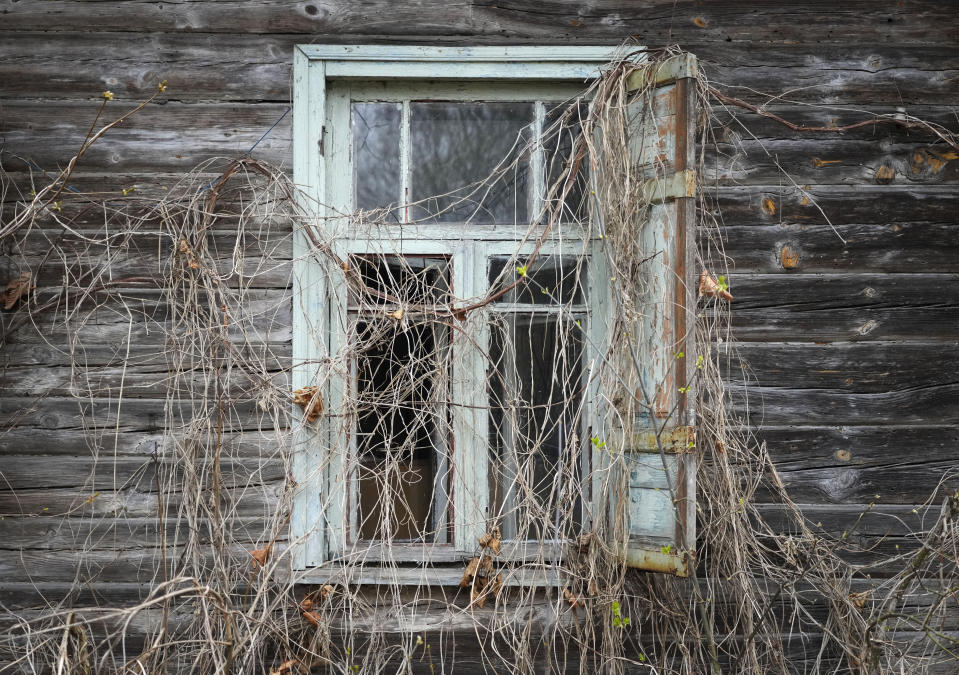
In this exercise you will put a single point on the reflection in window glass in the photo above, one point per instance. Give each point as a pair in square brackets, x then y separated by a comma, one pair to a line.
[548, 280]
[535, 395]
[561, 132]
[455, 147]
[376, 154]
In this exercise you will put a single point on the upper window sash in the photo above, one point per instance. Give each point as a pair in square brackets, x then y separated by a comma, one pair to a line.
[315, 65]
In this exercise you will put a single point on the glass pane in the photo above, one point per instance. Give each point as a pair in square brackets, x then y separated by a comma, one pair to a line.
[535, 396]
[561, 133]
[549, 280]
[456, 147]
[401, 430]
[391, 279]
[376, 154]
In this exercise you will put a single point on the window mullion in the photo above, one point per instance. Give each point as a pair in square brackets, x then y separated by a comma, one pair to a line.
[537, 162]
[405, 153]
[470, 422]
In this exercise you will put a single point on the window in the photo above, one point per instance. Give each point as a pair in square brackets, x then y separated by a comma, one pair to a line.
[447, 314]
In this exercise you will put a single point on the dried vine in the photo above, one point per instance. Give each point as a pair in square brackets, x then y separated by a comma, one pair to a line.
[213, 498]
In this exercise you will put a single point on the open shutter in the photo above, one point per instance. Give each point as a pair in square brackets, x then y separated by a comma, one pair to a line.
[660, 454]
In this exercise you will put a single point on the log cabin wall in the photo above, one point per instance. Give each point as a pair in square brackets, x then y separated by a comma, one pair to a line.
[850, 348]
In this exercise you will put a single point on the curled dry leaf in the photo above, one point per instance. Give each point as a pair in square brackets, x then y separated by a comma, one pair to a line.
[313, 618]
[859, 599]
[710, 287]
[326, 590]
[306, 604]
[311, 401]
[572, 599]
[284, 668]
[397, 315]
[492, 541]
[261, 555]
[16, 289]
[479, 577]
[470, 572]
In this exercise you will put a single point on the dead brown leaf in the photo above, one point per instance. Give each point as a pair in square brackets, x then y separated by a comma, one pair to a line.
[311, 401]
[261, 555]
[470, 572]
[492, 540]
[306, 604]
[709, 286]
[16, 289]
[478, 576]
[572, 599]
[859, 599]
[284, 668]
[397, 315]
[313, 618]
[325, 591]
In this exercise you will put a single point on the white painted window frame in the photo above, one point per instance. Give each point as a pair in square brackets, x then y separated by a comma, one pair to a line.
[321, 74]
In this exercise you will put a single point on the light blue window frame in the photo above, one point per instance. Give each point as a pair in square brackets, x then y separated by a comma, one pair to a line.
[326, 78]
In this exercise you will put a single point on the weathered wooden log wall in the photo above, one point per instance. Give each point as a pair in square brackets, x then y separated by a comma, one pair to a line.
[850, 347]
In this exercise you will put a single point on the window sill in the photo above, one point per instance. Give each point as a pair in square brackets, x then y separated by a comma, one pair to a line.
[525, 575]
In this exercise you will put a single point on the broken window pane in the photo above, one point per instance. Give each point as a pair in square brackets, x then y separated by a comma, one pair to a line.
[376, 155]
[402, 382]
[408, 280]
[536, 391]
[456, 147]
[401, 430]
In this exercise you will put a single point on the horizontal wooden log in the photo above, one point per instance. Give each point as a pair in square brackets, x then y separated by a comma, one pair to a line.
[110, 443]
[816, 159]
[731, 124]
[836, 204]
[805, 446]
[59, 534]
[841, 484]
[271, 240]
[240, 502]
[795, 248]
[97, 415]
[90, 270]
[86, 352]
[653, 21]
[879, 539]
[112, 564]
[846, 323]
[864, 290]
[117, 318]
[857, 367]
[126, 382]
[139, 474]
[784, 405]
[172, 137]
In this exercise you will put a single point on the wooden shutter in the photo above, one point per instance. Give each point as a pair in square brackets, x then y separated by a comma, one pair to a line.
[660, 454]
